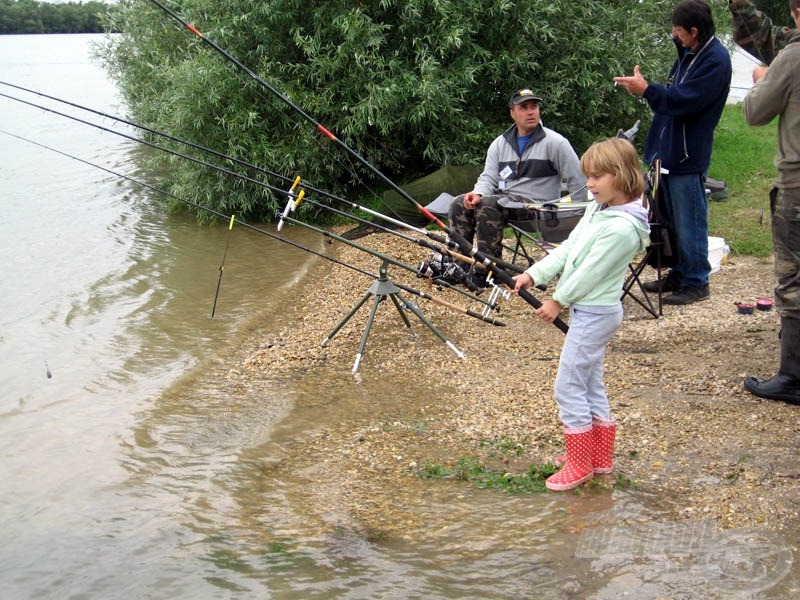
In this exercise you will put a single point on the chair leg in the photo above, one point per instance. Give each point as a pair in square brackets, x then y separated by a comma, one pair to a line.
[634, 279]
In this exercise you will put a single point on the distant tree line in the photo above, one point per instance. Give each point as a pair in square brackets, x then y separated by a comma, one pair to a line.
[29, 16]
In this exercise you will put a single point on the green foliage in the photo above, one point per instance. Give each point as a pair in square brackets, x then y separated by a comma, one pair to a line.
[743, 157]
[778, 11]
[29, 16]
[410, 85]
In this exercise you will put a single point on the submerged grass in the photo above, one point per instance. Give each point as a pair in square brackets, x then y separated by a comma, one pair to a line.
[474, 470]
[469, 468]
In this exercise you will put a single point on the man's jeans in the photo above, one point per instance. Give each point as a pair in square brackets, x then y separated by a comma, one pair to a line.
[687, 208]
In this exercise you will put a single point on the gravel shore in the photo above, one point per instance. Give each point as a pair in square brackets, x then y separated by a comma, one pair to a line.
[688, 431]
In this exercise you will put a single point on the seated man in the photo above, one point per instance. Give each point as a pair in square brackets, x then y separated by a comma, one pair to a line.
[526, 163]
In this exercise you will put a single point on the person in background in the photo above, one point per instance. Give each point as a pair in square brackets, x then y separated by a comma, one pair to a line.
[755, 33]
[526, 163]
[776, 93]
[592, 264]
[686, 111]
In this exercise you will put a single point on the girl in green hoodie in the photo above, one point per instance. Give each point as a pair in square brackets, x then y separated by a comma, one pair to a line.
[592, 264]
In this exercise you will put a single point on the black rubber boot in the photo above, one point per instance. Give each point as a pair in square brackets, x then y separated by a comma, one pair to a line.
[785, 385]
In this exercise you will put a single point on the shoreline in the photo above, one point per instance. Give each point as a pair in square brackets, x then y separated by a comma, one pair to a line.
[688, 432]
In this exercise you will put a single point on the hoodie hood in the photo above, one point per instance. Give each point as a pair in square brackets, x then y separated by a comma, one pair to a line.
[635, 212]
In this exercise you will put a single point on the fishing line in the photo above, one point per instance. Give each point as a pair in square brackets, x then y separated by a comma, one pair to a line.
[261, 231]
[150, 144]
[457, 240]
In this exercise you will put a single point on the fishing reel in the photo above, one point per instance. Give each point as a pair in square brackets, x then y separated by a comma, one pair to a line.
[440, 266]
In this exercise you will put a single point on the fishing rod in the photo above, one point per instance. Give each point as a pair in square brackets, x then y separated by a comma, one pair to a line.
[293, 198]
[259, 230]
[222, 265]
[462, 243]
[196, 146]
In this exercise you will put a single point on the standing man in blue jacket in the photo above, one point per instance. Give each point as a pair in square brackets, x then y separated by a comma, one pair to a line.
[686, 111]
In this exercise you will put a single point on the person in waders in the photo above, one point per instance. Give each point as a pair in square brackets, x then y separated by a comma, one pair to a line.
[776, 93]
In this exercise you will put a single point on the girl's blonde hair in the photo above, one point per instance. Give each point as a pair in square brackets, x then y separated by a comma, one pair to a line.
[618, 157]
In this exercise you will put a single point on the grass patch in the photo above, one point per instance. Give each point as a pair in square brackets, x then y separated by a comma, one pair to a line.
[624, 482]
[743, 157]
[497, 451]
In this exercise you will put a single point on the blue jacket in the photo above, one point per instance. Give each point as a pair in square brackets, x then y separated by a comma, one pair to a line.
[688, 108]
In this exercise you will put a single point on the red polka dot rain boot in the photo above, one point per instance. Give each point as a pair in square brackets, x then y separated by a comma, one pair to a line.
[603, 434]
[578, 467]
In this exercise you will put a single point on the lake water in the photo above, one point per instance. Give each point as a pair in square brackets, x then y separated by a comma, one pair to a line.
[126, 471]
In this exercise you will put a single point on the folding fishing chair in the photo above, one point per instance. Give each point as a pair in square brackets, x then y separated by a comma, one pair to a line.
[525, 231]
[550, 223]
[441, 205]
[660, 254]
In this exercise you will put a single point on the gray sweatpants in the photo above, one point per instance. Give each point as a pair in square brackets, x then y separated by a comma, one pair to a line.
[580, 390]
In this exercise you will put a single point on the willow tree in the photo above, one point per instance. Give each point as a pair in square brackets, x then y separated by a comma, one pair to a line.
[410, 85]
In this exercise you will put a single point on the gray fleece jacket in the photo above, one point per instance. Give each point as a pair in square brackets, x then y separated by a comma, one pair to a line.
[537, 173]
